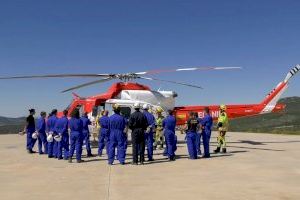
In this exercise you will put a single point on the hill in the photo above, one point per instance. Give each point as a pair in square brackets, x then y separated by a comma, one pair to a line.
[286, 122]
[11, 125]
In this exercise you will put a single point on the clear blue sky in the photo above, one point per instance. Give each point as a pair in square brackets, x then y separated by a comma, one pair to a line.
[59, 36]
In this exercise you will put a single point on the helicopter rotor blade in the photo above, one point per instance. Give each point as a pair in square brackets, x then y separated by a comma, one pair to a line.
[167, 81]
[87, 84]
[59, 76]
[185, 69]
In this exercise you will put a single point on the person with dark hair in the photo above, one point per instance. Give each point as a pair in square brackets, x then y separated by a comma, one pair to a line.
[42, 137]
[62, 126]
[86, 133]
[30, 129]
[206, 125]
[117, 126]
[138, 124]
[198, 135]
[76, 136]
[192, 126]
[103, 133]
[169, 125]
[150, 130]
[52, 145]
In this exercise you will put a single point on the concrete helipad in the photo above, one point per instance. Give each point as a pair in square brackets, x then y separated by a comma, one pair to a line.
[257, 166]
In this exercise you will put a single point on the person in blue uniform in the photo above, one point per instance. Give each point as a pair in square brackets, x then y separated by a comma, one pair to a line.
[206, 125]
[117, 126]
[30, 129]
[86, 133]
[192, 126]
[103, 133]
[52, 146]
[198, 135]
[76, 136]
[42, 137]
[62, 126]
[138, 124]
[169, 125]
[149, 132]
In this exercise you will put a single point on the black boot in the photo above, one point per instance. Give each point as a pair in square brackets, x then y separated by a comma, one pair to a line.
[224, 150]
[70, 160]
[217, 150]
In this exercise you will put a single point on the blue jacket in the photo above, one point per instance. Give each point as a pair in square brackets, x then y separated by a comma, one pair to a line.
[41, 125]
[207, 123]
[75, 125]
[169, 123]
[85, 124]
[117, 123]
[51, 124]
[104, 122]
[150, 119]
[62, 125]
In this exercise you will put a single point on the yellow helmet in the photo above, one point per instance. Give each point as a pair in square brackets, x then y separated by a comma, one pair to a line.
[222, 107]
[116, 106]
[159, 110]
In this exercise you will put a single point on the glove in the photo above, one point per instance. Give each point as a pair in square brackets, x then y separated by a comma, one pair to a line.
[148, 130]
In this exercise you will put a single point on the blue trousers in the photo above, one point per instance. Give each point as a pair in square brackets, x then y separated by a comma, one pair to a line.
[103, 140]
[198, 142]
[171, 146]
[206, 140]
[116, 140]
[42, 141]
[149, 142]
[29, 140]
[76, 140]
[87, 142]
[63, 147]
[191, 141]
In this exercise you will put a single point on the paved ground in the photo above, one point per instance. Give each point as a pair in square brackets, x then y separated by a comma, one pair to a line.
[258, 166]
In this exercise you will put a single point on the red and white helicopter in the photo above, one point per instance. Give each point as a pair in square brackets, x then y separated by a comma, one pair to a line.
[126, 93]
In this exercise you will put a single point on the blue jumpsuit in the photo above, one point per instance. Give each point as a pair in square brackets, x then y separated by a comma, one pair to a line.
[76, 138]
[52, 146]
[191, 137]
[149, 136]
[169, 124]
[207, 123]
[30, 129]
[86, 134]
[103, 135]
[42, 137]
[62, 125]
[117, 138]
[198, 140]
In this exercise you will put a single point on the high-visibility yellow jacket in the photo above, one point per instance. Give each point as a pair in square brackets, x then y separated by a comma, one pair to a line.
[97, 121]
[223, 118]
[159, 122]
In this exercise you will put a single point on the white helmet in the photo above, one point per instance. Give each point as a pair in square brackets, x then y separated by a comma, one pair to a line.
[34, 135]
[136, 105]
[57, 138]
[146, 107]
[50, 138]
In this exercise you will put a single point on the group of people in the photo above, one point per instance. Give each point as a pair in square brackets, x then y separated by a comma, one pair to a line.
[61, 137]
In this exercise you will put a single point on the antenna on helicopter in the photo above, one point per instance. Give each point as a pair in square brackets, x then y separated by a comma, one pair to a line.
[125, 77]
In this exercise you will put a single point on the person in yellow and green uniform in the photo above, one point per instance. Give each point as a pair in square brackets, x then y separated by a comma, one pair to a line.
[223, 124]
[159, 135]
